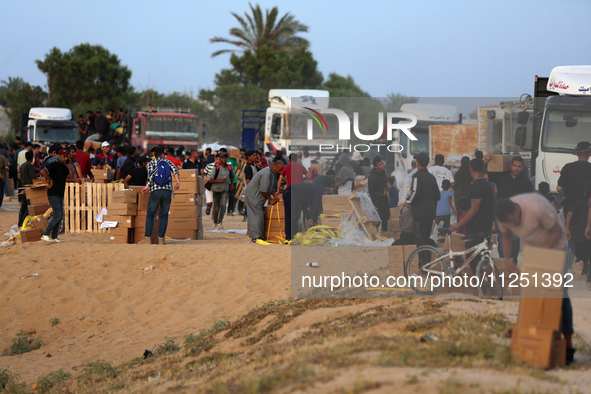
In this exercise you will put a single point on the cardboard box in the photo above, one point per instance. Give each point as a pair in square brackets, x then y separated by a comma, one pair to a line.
[500, 163]
[122, 221]
[94, 144]
[39, 181]
[103, 175]
[142, 200]
[185, 199]
[37, 200]
[191, 186]
[188, 175]
[540, 312]
[184, 211]
[318, 168]
[182, 234]
[120, 235]
[394, 213]
[123, 196]
[234, 153]
[396, 261]
[537, 346]
[332, 222]
[40, 222]
[393, 225]
[31, 235]
[36, 192]
[122, 209]
[543, 263]
[182, 223]
[38, 209]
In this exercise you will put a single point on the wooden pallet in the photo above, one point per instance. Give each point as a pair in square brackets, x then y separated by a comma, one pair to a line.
[240, 180]
[82, 202]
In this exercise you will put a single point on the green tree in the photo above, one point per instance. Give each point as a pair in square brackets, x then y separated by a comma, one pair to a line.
[20, 99]
[339, 86]
[257, 31]
[85, 74]
[8, 86]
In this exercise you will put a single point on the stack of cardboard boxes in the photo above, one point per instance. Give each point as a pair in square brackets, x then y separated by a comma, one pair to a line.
[393, 224]
[129, 209]
[103, 176]
[185, 219]
[536, 337]
[38, 205]
[122, 208]
[37, 200]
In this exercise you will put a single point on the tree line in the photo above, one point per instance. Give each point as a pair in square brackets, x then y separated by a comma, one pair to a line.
[267, 52]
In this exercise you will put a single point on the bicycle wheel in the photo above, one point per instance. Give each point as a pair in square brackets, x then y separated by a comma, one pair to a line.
[418, 274]
[489, 286]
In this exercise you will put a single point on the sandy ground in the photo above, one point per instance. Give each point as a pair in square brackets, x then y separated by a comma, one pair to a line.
[111, 308]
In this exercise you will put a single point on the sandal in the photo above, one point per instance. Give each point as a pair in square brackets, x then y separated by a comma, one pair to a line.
[578, 270]
[588, 285]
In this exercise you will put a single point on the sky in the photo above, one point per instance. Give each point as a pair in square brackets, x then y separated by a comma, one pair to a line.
[416, 48]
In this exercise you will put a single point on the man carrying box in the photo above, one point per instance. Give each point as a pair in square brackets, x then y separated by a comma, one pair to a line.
[160, 187]
[57, 174]
[533, 219]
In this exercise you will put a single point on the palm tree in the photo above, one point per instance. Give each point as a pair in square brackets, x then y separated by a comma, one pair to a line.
[257, 31]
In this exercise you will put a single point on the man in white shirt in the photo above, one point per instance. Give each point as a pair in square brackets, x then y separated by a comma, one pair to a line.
[307, 159]
[440, 172]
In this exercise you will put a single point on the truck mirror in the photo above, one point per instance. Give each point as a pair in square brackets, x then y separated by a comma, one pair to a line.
[491, 114]
[520, 136]
[522, 117]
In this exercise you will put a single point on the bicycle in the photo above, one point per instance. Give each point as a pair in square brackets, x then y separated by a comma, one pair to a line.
[443, 265]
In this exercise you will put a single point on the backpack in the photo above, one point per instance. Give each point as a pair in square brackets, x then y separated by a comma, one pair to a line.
[162, 175]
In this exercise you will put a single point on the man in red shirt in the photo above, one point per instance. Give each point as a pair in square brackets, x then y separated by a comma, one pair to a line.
[83, 160]
[294, 172]
[172, 158]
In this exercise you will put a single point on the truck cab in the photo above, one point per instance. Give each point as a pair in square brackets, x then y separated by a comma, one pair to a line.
[52, 125]
[286, 120]
[566, 121]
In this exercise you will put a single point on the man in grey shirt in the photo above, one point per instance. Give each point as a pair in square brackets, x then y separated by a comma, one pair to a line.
[222, 182]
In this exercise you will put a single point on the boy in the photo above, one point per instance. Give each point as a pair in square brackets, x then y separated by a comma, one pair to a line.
[544, 190]
[445, 205]
[392, 192]
[576, 222]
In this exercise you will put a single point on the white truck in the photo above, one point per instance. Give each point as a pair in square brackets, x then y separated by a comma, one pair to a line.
[51, 125]
[286, 121]
[566, 120]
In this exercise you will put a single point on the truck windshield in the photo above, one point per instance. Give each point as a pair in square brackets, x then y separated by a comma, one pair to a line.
[55, 134]
[563, 130]
[418, 146]
[171, 127]
[298, 127]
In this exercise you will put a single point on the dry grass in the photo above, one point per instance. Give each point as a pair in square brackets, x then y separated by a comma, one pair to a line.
[246, 356]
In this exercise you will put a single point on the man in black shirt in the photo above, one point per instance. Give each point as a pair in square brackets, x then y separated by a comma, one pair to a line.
[57, 174]
[326, 181]
[424, 194]
[138, 176]
[479, 218]
[510, 184]
[378, 190]
[129, 163]
[575, 176]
